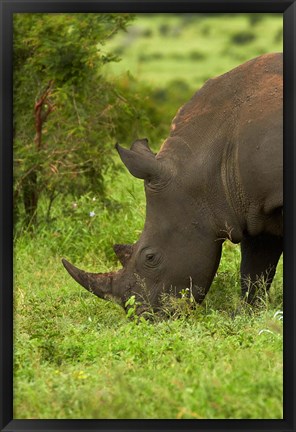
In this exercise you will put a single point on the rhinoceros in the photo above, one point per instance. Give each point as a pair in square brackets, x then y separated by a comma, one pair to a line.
[218, 176]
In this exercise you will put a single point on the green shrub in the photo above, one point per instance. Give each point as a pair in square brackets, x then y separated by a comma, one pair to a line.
[242, 37]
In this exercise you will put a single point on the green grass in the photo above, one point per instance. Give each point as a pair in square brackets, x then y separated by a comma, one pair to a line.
[79, 357]
[206, 367]
[76, 356]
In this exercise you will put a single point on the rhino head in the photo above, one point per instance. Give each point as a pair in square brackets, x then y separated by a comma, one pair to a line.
[174, 251]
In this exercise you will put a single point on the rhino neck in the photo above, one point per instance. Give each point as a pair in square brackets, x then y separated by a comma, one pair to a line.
[208, 175]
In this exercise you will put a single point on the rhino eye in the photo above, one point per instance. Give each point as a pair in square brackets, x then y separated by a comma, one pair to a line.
[150, 258]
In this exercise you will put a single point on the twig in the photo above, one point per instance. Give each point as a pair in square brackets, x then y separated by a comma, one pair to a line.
[76, 110]
[41, 115]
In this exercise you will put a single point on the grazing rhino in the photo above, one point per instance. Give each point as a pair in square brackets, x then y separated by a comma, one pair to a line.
[219, 175]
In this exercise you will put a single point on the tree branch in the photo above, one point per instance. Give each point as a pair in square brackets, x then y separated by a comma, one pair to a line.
[41, 114]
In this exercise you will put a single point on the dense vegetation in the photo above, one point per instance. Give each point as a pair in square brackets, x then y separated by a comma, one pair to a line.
[67, 114]
[79, 357]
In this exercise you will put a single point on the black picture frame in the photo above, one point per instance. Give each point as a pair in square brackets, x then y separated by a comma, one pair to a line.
[7, 9]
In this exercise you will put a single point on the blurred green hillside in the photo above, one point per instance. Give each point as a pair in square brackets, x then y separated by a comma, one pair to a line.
[177, 53]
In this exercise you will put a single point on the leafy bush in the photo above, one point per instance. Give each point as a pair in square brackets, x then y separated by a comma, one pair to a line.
[196, 55]
[243, 37]
[255, 18]
[67, 116]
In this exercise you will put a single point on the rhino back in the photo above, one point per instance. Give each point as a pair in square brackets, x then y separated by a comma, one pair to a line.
[219, 102]
[230, 132]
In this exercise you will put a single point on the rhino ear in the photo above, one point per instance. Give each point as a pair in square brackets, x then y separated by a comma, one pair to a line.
[141, 146]
[139, 160]
[123, 252]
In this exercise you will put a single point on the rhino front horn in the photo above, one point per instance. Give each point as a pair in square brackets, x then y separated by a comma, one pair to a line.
[99, 284]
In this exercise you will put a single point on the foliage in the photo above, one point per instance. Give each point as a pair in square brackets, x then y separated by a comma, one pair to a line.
[73, 99]
[192, 48]
[67, 115]
[79, 357]
[76, 356]
[173, 370]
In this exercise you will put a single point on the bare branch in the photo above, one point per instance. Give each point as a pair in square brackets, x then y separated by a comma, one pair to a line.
[40, 114]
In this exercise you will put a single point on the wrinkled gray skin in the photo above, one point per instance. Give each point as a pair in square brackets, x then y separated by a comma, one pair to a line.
[218, 175]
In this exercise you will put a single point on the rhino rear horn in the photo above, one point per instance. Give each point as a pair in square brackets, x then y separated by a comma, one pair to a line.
[139, 160]
[99, 284]
[141, 146]
[123, 252]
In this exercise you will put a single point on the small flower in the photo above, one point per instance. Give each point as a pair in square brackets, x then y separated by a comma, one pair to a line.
[94, 199]
[92, 214]
[81, 375]
[74, 205]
